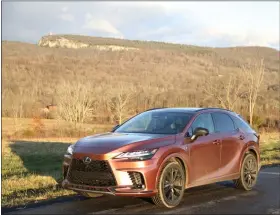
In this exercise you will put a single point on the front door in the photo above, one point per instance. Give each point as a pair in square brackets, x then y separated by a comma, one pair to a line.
[204, 151]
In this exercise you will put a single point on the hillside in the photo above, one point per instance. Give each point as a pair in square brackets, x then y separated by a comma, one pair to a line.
[151, 73]
[228, 55]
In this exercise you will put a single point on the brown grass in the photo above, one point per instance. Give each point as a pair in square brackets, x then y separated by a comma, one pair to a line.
[26, 127]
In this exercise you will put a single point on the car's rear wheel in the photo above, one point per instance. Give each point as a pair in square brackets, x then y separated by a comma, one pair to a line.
[248, 173]
[90, 195]
[171, 186]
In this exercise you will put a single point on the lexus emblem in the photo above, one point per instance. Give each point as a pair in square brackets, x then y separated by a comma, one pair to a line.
[87, 160]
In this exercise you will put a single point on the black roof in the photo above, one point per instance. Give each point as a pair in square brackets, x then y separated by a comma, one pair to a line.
[187, 109]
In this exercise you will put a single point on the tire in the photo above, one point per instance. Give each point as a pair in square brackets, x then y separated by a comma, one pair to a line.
[90, 195]
[248, 173]
[174, 188]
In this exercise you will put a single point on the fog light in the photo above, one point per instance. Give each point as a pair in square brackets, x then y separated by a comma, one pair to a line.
[137, 180]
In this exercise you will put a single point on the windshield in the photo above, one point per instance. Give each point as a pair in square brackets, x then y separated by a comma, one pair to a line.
[153, 122]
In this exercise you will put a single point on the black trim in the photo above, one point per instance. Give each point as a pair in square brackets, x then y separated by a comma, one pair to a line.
[234, 123]
[155, 109]
[137, 179]
[213, 122]
[213, 108]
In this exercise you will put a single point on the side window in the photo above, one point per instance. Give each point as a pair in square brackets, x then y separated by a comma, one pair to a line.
[241, 124]
[223, 122]
[203, 120]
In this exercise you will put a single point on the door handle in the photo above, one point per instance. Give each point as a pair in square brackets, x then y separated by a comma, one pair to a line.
[241, 137]
[216, 142]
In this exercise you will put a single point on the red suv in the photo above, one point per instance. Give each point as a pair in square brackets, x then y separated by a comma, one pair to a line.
[161, 152]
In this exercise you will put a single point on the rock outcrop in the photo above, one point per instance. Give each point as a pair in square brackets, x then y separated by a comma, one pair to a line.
[63, 42]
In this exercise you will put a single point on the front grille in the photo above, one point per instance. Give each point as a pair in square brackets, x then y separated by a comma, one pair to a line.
[137, 179]
[96, 173]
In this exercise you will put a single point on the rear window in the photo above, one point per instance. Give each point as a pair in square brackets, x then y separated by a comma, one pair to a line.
[242, 124]
[223, 122]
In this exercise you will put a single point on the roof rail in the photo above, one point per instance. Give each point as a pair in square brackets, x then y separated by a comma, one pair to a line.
[214, 108]
[155, 108]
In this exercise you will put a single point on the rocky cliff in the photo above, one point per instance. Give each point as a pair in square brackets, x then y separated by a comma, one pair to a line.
[74, 42]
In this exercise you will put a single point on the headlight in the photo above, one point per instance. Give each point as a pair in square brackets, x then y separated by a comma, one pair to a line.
[137, 155]
[70, 150]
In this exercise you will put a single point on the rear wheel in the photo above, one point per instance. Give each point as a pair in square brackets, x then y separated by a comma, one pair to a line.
[90, 195]
[248, 173]
[171, 186]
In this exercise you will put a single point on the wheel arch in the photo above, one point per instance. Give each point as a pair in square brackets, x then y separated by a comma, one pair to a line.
[253, 151]
[177, 158]
[250, 149]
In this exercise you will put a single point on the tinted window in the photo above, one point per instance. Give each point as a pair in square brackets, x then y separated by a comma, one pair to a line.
[241, 124]
[156, 122]
[203, 120]
[223, 122]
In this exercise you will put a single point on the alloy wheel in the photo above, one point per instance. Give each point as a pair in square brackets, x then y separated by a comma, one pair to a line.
[250, 172]
[173, 183]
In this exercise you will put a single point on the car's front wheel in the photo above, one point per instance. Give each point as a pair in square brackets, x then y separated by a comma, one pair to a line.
[171, 186]
[248, 173]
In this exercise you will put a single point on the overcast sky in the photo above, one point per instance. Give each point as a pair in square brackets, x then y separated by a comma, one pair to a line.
[216, 24]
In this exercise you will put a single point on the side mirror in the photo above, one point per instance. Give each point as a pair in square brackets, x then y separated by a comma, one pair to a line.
[199, 132]
[114, 128]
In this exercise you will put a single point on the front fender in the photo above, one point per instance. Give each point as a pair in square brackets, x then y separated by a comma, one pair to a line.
[183, 156]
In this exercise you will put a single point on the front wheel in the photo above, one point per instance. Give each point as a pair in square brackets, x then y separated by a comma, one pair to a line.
[171, 186]
[248, 173]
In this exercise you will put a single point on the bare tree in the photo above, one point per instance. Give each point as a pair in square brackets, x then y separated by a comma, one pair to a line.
[120, 98]
[75, 101]
[226, 90]
[16, 105]
[253, 75]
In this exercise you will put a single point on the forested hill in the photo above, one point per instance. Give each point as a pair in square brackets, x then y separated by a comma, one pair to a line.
[140, 74]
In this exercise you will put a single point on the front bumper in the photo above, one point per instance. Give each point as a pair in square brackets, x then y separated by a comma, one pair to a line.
[116, 191]
[123, 170]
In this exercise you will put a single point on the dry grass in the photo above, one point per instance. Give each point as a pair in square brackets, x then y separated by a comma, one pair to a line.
[30, 170]
[270, 148]
[267, 137]
[50, 128]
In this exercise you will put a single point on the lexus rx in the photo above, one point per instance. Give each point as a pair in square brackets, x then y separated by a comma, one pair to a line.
[161, 152]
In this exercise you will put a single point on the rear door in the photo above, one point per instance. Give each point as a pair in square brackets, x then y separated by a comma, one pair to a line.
[204, 151]
[231, 144]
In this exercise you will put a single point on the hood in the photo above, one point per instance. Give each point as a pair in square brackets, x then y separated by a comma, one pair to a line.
[108, 142]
